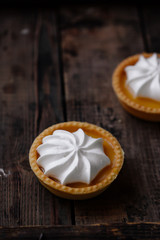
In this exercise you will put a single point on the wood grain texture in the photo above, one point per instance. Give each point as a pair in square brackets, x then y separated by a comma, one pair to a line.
[94, 41]
[56, 68]
[17, 125]
[135, 231]
[30, 101]
[50, 102]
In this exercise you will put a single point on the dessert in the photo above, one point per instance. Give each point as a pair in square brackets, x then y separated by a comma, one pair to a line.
[136, 82]
[76, 160]
[71, 157]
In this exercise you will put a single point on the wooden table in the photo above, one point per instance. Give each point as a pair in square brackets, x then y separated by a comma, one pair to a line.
[56, 65]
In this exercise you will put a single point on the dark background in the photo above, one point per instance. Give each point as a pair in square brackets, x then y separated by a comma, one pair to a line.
[56, 64]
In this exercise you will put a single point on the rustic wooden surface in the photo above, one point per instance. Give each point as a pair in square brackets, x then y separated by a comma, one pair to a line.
[56, 65]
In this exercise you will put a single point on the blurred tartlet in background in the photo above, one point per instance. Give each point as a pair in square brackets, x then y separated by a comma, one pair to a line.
[136, 82]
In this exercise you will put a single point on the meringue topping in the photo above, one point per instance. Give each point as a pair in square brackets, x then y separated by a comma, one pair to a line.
[143, 78]
[72, 157]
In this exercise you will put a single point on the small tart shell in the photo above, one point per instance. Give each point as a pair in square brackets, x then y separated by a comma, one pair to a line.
[136, 109]
[77, 193]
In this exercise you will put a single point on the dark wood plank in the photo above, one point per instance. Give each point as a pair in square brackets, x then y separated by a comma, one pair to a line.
[150, 22]
[135, 231]
[94, 40]
[29, 85]
[18, 202]
[50, 101]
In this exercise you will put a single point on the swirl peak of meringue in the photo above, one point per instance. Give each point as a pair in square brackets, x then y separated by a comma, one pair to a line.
[143, 78]
[72, 157]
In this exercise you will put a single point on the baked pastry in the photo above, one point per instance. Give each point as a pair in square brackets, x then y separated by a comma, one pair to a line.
[76, 160]
[136, 82]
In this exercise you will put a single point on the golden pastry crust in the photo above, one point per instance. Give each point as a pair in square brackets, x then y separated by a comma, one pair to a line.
[76, 192]
[150, 113]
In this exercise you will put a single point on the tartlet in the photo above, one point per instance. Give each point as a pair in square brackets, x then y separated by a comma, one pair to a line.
[79, 191]
[140, 107]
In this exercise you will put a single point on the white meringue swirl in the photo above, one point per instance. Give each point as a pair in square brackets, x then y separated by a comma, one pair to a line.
[72, 157]
[143, 78]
